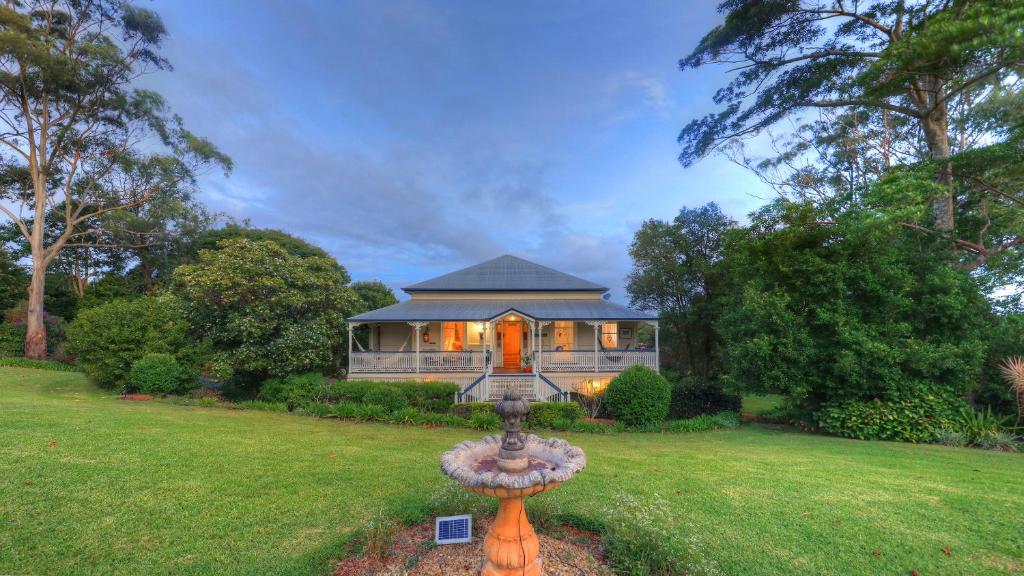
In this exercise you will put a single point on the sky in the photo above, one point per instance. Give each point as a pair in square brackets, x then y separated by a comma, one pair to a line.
[412, 138]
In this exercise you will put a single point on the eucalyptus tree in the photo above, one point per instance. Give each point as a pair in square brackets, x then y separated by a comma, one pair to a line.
[894, 82]
[75, 132]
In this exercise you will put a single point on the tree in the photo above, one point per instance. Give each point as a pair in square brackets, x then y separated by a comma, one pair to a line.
[945, 71]
[674, 274]
[266, 312]
[374, 294]
[76, 134]
[13, 282]
[856, 310]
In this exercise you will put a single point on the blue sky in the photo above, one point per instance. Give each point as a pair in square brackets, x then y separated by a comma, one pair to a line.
[412, 138]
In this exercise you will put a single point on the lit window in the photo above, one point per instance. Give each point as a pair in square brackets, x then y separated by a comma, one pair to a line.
[564, 336]
[454, 336]
[475, 333]
[610, 334]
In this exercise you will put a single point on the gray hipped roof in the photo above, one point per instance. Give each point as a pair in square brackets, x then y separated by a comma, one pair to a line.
[506, 273]
[476, 310]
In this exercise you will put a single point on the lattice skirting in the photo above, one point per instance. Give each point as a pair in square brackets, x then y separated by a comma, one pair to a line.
[461, 379]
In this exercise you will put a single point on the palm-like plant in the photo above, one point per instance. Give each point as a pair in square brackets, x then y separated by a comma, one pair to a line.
[1013, 370]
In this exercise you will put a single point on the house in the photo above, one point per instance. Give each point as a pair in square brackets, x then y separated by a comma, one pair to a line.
[504, 323]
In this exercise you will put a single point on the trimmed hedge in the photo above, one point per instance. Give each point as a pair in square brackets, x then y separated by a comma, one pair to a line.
[388, 397]
[542, 414]
[906, 420]
[638, 396]
[424, 396]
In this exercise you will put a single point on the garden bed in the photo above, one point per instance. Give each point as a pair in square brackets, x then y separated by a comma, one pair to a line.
[564, 551]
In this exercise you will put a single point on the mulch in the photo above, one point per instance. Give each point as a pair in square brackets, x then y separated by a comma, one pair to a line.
[564, 551]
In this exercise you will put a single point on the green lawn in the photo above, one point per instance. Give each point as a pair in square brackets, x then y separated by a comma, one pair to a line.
[759, 403]
[154, 488]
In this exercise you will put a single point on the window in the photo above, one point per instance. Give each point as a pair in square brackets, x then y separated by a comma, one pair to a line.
[454, 336]
[564, 335]
[475, 332]
[610, 335]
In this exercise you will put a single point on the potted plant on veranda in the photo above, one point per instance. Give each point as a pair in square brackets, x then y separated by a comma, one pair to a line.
[526, 363]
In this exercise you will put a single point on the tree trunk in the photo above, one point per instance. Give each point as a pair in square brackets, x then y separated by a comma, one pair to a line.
[35, 336]
[936, 132]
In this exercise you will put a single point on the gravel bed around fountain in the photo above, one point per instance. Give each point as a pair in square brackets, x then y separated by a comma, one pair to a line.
[573, 553]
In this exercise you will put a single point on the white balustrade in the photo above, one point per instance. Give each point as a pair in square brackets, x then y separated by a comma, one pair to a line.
[607, 360]
[465, 361]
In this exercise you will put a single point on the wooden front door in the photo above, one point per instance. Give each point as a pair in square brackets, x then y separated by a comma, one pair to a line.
[512, 344]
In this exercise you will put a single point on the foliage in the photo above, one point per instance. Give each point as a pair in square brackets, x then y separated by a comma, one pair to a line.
[13, 281]
[38, 364]
[108, 339]
[590, 395]
[641, 539]
[297, 389]
[1005, 335]
[424, 396]
[919, 419]
[1001, 441]
[674, 273]
[898, 82]
[389, 397]
[484, 421]
[265, 311]
[691, 397]
[405, 416]
[345, 410]
[157, 374]
[638, 396]
[211, 240]
[544, 414]
[952, 438]
[846, 309]
[371, 413]
[373, 294]
[980, 426]
[82, 139]
[279, 407]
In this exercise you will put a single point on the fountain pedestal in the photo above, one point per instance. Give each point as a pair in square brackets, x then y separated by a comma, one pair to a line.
[511, 547]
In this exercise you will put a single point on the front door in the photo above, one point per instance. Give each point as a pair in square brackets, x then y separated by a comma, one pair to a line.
[512, 344]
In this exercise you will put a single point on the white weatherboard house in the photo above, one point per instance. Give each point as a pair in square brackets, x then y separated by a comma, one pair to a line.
[504, 323]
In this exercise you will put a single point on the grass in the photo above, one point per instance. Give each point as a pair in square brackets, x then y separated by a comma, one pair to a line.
[94, 485]
[760, 403]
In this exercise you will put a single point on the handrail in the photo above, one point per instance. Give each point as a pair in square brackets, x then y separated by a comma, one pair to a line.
[561, 394]
[466, 390]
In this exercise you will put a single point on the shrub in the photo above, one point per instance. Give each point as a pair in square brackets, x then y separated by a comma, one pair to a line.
[371, 413]
[544, 414]
[262, 405]
[405, 416]
[485, 421]
[907, 420]
[700, 423]
[389, 397]
[424, 396]
[435, 419]
[728, 419]
[692, 397]
[638, 396]
[318, 409]
[108, 339]
[1001, 441]
[469, 408]
[345, 410]
[12, 340]
[296, 390]
[38, 364]
[157, 374]
[954, 438]
[979, 426]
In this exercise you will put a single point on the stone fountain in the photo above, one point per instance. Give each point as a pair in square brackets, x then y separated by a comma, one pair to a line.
[510, 467]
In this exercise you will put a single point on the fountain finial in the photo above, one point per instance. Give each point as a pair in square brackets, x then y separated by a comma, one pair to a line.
[512, 409]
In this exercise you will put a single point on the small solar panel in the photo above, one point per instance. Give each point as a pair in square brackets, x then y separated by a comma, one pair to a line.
[453, 529]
